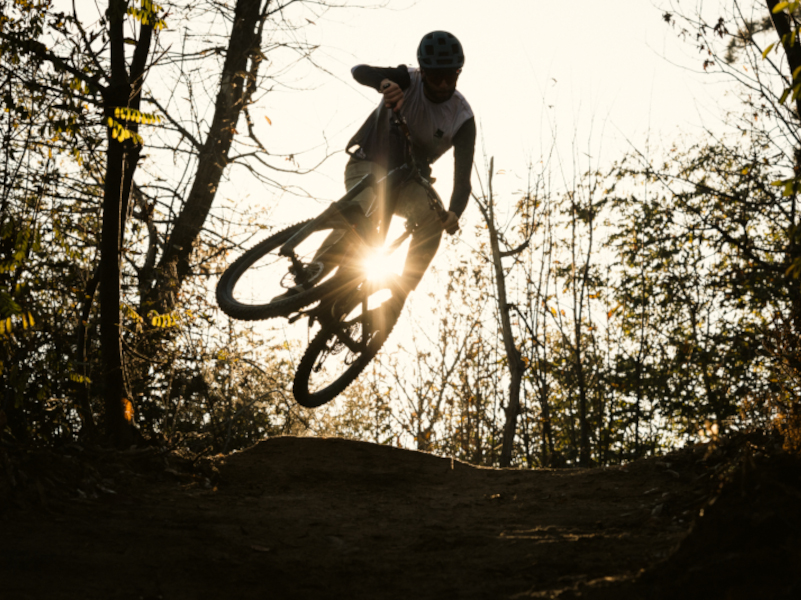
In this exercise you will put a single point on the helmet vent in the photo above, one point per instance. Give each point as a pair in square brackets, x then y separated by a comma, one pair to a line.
[440, 50]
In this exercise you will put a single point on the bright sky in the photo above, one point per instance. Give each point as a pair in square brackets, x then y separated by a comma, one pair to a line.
[600, 77]
[604, 74]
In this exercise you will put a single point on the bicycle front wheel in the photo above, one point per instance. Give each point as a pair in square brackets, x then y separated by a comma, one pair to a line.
[341, 350]
[262, 284]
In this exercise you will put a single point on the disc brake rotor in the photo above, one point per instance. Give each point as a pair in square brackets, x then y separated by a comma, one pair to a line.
[336, 345]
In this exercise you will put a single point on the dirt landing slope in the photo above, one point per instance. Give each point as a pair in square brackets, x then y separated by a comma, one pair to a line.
[331, 518]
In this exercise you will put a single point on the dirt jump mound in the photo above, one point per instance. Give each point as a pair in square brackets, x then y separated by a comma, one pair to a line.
[333, 518]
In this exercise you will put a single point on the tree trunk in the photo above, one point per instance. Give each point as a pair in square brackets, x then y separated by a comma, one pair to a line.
[790, 42]
[81, 387]
[579, 295]
[584, 425]
[513, 356]
[118, 414]
[545, 418]
[121, 160]
[237, 84]
[792, 48]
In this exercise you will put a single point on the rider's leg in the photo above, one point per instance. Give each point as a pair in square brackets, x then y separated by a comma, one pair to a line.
[333, 247]
[413, 205]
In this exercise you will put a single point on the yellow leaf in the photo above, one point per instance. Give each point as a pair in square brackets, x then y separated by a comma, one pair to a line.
[268, 120]
[768, 49]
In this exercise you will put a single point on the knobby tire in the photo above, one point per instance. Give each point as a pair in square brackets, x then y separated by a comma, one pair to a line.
[319, 344]
[275, 308]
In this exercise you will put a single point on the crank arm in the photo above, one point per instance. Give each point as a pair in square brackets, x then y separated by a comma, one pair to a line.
[351, 344]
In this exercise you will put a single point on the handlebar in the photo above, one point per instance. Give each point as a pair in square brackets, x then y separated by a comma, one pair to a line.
[434, 200]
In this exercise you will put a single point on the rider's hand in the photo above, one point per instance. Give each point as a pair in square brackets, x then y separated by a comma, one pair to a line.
[393, 94]
[451, 223]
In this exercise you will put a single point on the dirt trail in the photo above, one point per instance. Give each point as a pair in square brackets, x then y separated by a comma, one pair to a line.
[331, 518]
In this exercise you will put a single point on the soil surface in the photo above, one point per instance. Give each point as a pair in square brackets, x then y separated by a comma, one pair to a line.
[332, 518]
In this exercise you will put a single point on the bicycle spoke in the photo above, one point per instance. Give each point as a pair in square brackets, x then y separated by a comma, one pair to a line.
[272, 275]
[347, 342]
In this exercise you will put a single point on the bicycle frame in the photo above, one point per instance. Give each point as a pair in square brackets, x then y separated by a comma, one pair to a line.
[354, 315]
[343, 207]
[350, 216]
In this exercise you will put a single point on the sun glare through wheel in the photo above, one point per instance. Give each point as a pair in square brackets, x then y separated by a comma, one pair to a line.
[376, 266]
[380, 266]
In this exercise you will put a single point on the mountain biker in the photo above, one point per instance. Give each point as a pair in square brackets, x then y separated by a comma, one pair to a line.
[438, 117]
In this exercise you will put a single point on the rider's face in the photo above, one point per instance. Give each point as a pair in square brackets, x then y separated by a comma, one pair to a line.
[439, 85]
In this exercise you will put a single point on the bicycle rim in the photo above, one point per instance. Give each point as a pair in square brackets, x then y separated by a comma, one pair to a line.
[341, 350]
[255, 285]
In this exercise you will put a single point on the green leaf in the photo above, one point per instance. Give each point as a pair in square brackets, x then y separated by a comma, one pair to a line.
[780, 7]
[768, 49]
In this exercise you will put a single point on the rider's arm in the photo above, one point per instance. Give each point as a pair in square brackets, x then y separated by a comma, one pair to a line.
[464, 143]
[373, 76]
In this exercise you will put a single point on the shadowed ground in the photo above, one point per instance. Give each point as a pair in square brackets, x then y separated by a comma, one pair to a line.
[332, 518]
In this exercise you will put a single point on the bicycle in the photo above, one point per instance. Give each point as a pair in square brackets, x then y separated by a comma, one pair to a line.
[354, 323]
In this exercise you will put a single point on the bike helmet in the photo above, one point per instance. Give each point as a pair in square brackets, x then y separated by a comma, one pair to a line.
[440, 50]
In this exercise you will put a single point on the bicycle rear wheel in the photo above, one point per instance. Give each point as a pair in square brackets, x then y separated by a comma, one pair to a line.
[255, 286]
[342, 349]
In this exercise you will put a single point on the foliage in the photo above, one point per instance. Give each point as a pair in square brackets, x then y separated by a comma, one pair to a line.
[779, 409]
[60, 118]
[644, 301]
[653, 303]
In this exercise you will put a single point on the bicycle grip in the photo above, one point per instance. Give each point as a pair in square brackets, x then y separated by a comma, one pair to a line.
[443, 216]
